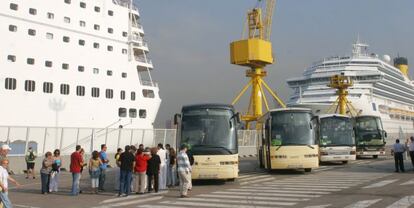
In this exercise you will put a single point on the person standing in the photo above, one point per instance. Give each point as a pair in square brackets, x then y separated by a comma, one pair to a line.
[30, 163]
[398, 150]
[127, 161]
[4, 187]
[54, 175]
[153, 170]
[95, 170]
[117, 170]
[172, 170]
[411, 150]
[4, 151]
[76, 163]
[45, 172]
[163, 167]
[140, 170]
[104, 158]
[184, 171]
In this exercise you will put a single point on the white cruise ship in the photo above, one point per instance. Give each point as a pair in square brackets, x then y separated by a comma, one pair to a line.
[76, 64]
[380, 88]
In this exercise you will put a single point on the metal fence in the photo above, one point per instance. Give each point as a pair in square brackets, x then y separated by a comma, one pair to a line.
[43, 139]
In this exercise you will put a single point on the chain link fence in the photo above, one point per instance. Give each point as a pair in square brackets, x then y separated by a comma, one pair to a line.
[44, 139]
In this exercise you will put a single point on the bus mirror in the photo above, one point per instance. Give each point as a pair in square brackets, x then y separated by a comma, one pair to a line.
[385, 134]
[177, 118]
[238, 117]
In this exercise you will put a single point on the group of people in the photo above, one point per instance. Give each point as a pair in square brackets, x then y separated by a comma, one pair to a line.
[139, 170]
[398, 150]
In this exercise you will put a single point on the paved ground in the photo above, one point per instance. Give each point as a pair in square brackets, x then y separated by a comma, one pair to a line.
[362, 183]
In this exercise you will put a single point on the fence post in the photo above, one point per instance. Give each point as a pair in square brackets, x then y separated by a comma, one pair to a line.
[61, 139]
[132, 135]
[119, 137]
[8, 135]
[27, 139]
[143, 135]
[92, 137]
[44, 142]
[106, 136]
[77, 137]
[165, 136]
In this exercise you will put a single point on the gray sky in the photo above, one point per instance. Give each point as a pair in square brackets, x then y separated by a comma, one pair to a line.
[189, 42]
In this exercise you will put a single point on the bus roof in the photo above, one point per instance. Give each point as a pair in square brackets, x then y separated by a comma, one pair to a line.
[291, 109]
[208, 105]
[333, 115]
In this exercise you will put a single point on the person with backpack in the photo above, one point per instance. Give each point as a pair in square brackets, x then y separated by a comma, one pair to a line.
[118, 170]
[54, 174]
[30, 163]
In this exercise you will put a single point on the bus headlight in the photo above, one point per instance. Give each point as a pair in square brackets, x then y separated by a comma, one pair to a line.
[353, 152]
[324, 153]
[311, 155]
[229, 163]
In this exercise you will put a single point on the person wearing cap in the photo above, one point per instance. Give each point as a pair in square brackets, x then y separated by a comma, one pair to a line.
[184, 170]
[30, 163]
[4, 151]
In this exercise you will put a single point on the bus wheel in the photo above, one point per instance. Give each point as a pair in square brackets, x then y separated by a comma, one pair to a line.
[344, 162]
[308, 170]
[375, 156]
[231, 179]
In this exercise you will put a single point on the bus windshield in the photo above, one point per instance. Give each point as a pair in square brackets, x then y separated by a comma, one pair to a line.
[368, 130]
[292, 128]
[211, 131]
[336, 131]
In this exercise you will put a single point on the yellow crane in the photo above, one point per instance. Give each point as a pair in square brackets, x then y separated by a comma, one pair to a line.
[255, 52]
[341, 83]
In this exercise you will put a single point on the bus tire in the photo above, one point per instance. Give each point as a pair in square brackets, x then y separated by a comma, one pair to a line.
[375, 156]
[344, 162]
[308, 170]
[231, 179]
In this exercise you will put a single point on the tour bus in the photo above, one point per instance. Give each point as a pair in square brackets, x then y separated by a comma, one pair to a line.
[210, 132]
[336, 138]
[370, 136]
[288, 140]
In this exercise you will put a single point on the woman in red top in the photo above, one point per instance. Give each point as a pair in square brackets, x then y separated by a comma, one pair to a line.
[140, 170]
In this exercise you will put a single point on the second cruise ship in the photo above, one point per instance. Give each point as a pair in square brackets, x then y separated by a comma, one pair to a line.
[380, 88]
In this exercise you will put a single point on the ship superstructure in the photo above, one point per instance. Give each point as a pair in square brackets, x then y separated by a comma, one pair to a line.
[380, 88]
[75, 63]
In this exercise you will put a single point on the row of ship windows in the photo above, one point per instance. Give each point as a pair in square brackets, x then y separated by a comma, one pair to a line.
[66, 39]
[30, 86]
[122, 112]
[65, 66]
[33, 11]
[401, 117]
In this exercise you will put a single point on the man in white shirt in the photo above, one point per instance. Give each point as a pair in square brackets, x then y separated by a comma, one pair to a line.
[398, 150]
[411, 149]
[4, 177]
[162, 180]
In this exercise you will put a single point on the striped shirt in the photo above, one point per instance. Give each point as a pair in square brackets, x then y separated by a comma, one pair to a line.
[183, 163]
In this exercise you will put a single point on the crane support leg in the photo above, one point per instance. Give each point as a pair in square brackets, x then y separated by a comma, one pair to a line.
[281, 103]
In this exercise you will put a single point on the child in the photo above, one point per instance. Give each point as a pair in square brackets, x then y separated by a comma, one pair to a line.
[4, 176]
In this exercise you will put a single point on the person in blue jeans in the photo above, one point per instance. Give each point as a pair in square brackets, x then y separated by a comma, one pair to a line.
[104, 158]
[4, 178]
[76, 163]
[126, 164]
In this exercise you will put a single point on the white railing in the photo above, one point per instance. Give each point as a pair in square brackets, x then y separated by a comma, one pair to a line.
[44, 139]
[143, 59]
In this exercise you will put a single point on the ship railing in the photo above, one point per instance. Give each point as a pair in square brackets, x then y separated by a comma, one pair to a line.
[44, 139]
[126, 3]
[143, 59]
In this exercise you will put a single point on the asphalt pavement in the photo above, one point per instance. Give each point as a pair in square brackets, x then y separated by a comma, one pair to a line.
[359, 184]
